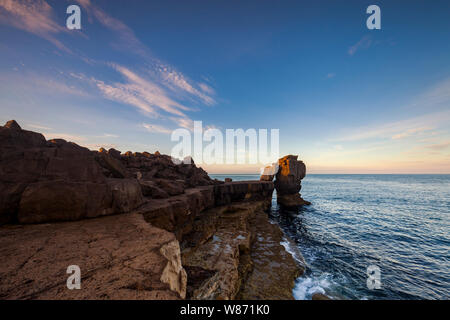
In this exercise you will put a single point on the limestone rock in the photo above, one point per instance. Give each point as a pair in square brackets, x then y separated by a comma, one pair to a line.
[274, 269]
[234, 252]
[112, 166]
[292, 200]
[150, 189]
[320, 296]
[120, 257]
[61, 201]
[289, 176]
[114, 153]
[288, 181]
[126, 194]
[269, 172]
[174, 274]
[12, 124]
[57, 180]
[171, 187]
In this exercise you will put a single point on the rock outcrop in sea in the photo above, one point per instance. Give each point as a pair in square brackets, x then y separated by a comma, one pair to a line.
[288, 173]
[137, 225]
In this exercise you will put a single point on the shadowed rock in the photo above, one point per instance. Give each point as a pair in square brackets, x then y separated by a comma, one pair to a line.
[57, 180]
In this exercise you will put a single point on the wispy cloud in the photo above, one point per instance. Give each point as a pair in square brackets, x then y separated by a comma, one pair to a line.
[411, 132]
[154, 128]
[439, 146]
[43, 84]
[364, 43]
[206, 88]
[90, 142]
[398, 129]
[142, 93]
[437, 95]
[156, 89]
[66, 136]
[35, 17]
[37, 126]
[183, 122]
[128, 40]
[177, 81]
[164, 73]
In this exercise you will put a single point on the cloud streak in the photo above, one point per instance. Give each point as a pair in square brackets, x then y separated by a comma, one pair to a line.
[154, 128]
[35, 17]
[165, 73]
[398, 129]
[364, 43]
[139, 92]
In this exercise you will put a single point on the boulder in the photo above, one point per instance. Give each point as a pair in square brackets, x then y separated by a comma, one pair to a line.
[114, 153]
[126, 194]
[112, 166]
[12, 136]
[151, 190]
[61, 200]
[171, 187]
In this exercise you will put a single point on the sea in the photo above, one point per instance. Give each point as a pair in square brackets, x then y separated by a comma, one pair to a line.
[370, 236]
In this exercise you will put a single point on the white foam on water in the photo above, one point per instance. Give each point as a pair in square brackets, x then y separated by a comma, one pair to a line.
[305, 287]
[293, 251]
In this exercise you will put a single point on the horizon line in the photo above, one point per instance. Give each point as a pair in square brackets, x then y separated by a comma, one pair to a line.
[255, 174]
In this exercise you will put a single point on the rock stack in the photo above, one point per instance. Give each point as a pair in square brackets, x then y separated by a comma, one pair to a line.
[288, 175]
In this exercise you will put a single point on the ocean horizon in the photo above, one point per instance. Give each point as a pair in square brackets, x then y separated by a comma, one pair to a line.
[397, 222]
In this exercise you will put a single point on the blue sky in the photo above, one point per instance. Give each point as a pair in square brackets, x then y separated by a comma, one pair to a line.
[345, 98]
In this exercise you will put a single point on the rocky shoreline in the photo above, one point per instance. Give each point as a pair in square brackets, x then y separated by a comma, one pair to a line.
[137, 225]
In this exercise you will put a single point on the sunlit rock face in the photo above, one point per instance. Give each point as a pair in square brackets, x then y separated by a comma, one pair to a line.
[288, 181]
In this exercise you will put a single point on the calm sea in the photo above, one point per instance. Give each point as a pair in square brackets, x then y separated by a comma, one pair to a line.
[399, 223]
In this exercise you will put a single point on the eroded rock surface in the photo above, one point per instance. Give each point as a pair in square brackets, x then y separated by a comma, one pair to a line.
[120, 257]
[234, 252]
[56, 180]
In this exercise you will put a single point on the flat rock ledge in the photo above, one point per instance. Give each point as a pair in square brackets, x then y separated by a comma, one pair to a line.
[120, 257]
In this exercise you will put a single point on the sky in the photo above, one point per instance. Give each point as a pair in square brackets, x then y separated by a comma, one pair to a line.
[346, 99]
